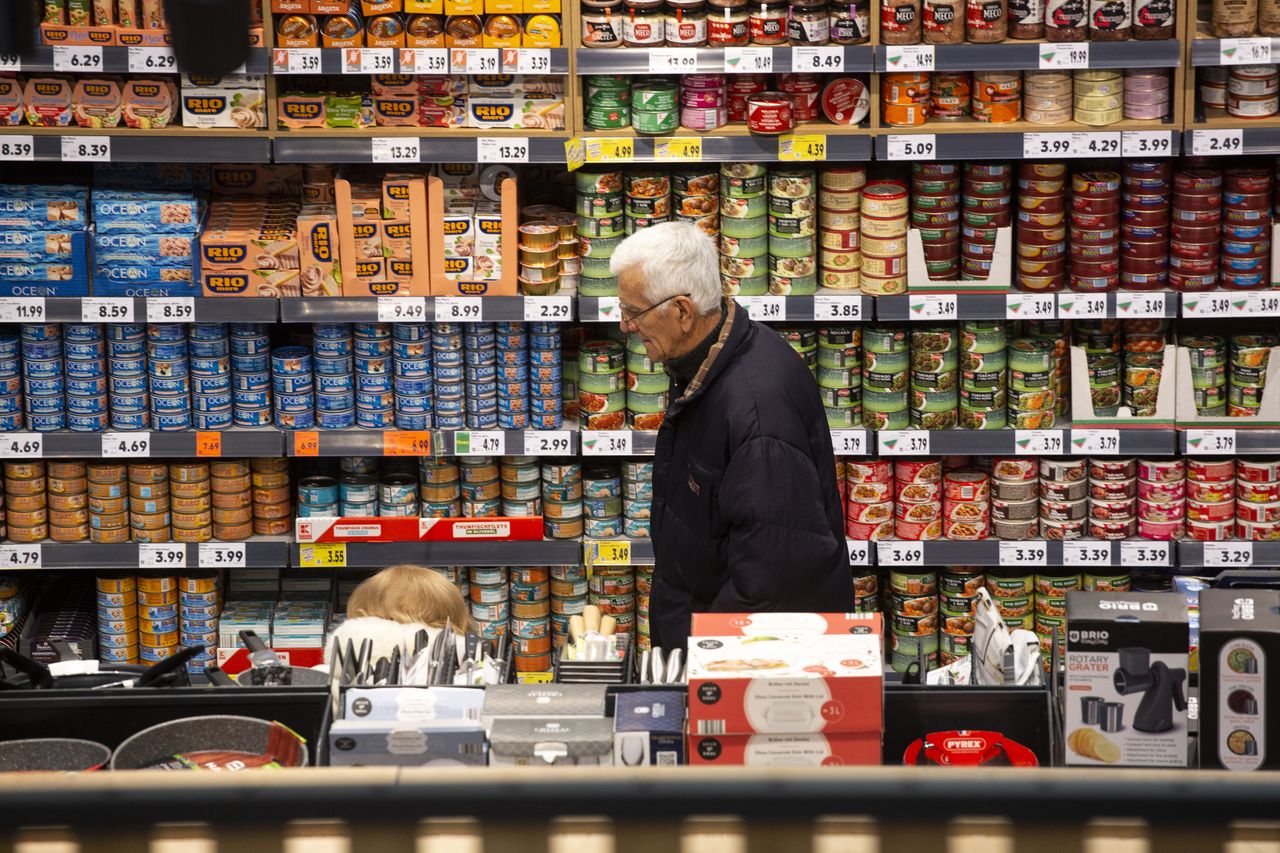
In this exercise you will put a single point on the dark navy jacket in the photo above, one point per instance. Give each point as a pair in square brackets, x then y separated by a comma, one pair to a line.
[746, 512]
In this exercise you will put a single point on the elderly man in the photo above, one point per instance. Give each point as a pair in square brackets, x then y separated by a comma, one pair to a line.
[746, 513]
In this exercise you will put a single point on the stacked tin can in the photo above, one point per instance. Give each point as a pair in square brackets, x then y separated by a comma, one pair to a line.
[43, 386]
[481, 486]
[869, 483]
[481, 375]
[957, 599]
[11, 382]
[601, 227]
[1064, 498]
[67, 502]
[966, 505]
[26, 501]
[157, 618]
[935, 211]
[602, 391]
[546, 377]
[521, 486]
[412, 375]
[1047, 97]
[647, 196]
[1144, 225]
[531, 617]
[86, 377]
[644, 588]
[1098, 97]
[803, 340]
[602, 501]
[562, 499]
[318, 497]
[793, 230]
[1041, 231]
[439, 487]
[1113, 500]
[884, 230]
[1146, 94]
[199, 600]
[117, 619]
[271, 493]
[490, 600]
[1051, 611]
[1015, 507]
[1100, 340]
[190, 486]
[983, 371]
[637, 498]
[548, 264]
[840, 227]
[108, 502]
[950, 95]
[917, 499]
[149, 511]
[211, 399]
[398, 491]
[1031, 392]
[1196, 229]
[904, 98]
[1054, 333]
[1250, 355]
[886, 362]
[447, 358]
[934, 373]
[1144, 342]
[913, 619]
[1162, 499]
[988, 205]
[1211, 499]
[230, 502]
[375, 400]
[1246, 229]
[358, 486]
[568, 599]
[1207, 355]
[251, 379]
[294, 389]
[1250, 90]
[613, 590]
[655, 102]
[1014, 597]
[647, 387]
[1095, 232]
[744, 229]
[839, 374]
[169, 376]
[1257, 500]
[607, 101]
[997, 96]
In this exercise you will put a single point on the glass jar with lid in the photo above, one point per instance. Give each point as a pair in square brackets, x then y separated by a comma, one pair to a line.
[850, 23]
[808, 22]
[727, 27]
[686, 25]
[643, 24]
[768, 23]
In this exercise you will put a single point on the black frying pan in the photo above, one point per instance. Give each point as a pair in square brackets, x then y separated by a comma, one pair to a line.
[33, 675]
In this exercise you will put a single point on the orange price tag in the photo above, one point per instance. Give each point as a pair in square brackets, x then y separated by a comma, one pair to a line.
[406, 443]
[208, 444]
[306, 444]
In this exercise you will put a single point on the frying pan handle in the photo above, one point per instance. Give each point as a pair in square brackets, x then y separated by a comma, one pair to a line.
[36, 671]
[217, 677]
[253, 642]
[64, 650]
[168, 665]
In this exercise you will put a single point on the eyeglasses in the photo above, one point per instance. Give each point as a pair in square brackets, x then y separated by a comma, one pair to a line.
[631, 316]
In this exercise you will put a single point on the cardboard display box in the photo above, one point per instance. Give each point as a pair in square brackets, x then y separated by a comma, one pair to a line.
[1239, 634]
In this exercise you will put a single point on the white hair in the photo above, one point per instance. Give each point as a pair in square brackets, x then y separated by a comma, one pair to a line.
[676, 258]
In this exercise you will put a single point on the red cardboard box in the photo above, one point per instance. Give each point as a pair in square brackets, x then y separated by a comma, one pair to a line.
[412, 529]
[808, 750]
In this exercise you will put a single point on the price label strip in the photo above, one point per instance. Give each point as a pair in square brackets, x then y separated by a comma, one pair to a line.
[22, 309]
[1074, 144]
[398, 442]
[933, 307]
[1253, 51]
[22, 445]
[395, 149]
[459, 309]
[1138, 553]
[1228, 555]
[306, 443]
[424, 61]
[849, 442]
[296, 61]
[899, 146]
[117, 445]
[1063, 55]
[827, 60]
[1098, 442]
[550, 442]
[1075, 306]
[837, 307]
[213, 555]
[673, 60]
[1038, 442]
[86, 149]
[900, 553]
[78, 58]
[904, 442]
[371, 60]
[479, 443]
[151, 556]
[1147, 143]
[171, 309]
[533, 61]
[909, 57]
[1024, 553]
[606, 442]
[147, 60]
[1263, 305]
[677, 148]
[548, 309]
[765, 309]
[610, 552]
[859, 552]
[748, 60]
[102, 309]
[603, 150]
[1086, 553]
[502, 149]
[1030, 306]
[325, 555]
[1213, 305]
[21, 557]
[208, 444]
[1140, 305]
[18, 148]
[1206, 143]
[607, 309]
[1211, 442]
[402, 309]
[802, 147]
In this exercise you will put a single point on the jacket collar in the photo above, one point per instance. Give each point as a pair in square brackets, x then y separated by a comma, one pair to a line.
[735, 329]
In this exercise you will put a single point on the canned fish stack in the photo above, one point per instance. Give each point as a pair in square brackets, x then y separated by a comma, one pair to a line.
[548, 263]
[481, 375]
[108, 502]
[68, 502]
[189, 489]
[531, 618]
[966, 505]
[490, 600]
[521, 486]
[1051, 611]
[884, 228]
[904, 98]
[157, 618]
[318, 497]
[1196, 229]
[1055, 333]
[744, 229]
[997, 96]
[1041, 233]
[886, 359]
[602, 392]
[199, 600]
[271, 505]
[839, 372]
[11, 383]
[613, 590]
[1246, 229]
[333, 381]
[840, 227]
[481, 487]
[1113, 501]
[934, 370]
[1031, 384]
[982, 374]
[117, 619]
[1250, 355]
[647, 387]
[599, 230]
[1047, 97]
[695, 195]
[568, 598]
[1095, 231]
[648, 196]
[793, 229]
[935, 211]
[602, 502]
[917, 499]
[26, 501]
[439, 487]
[447, 358]
[374, 398]
[169, 375]
[607, 102]
[546, 378]
[1143, 365]
[295, 402]
[250, 375]
[1208, 357]
[1099, 97]
[562, 500]
[127, 376]
[85, 368]
[42, 382]
[1063, 491]
[949, 94]
[398, 495]
[988, 196]
[358, 486]
[1146, 94]
[1162, 499]
[1102, 357]
[644, 587]
[211, 404]
[653, 103]
[412, 375]
[913, 617]
[149, 516]
[230, 502]
[1014, 597]
[1257, 493]
[870, 509]
[1211, 499]
[958, 597]
[637, 498]
[1144, 229]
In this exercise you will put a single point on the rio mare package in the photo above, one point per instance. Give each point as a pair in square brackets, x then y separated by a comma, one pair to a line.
[1126, 683]
[1239, 640]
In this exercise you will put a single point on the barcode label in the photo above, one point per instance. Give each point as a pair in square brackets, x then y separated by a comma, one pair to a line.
[711, 727]
[665, 759]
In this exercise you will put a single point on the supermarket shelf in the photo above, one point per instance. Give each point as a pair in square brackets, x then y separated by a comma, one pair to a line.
[260, 442]
[857, 58]
[1015, 55]
[1208, 51]
[243, 309]
[826, 305]
[733, 142]
[361, 442]
[1227, 441]
[506, 309]
[1255, 136]
[265, 552]
[997, 306]
[435, 145]
[114, 60]
[973, 140]
[336, 60]
[127, 145]
[375, 555]
[641, 551]
[1228, 555]
[1012, 442]
[1023, 557]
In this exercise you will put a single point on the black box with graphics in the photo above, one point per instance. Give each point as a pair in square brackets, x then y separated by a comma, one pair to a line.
[1239, 636]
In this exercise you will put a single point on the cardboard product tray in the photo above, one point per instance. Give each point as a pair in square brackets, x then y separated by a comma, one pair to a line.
[1082, 414]
[999, 281]
[1268, 416]
[345, 529]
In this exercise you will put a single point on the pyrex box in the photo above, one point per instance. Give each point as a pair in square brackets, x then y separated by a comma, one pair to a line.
[409, 727]
[1239, 633]
[1126, 682]
[542, 701]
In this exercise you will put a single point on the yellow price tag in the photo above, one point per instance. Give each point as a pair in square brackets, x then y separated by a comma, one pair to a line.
[807, 146]
[534, 677]
[326, 555]
[677, 148]
[574, 153]
[602, 150]
[613, 553]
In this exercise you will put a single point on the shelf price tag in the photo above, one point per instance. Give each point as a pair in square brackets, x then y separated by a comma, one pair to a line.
[125, 444]
[1130, 305]
[1263, 305]
[837, 307]
[1086, 553]
[1074, 144]
[748, 60]
[1063, 55]
[369, 60]
[933, 306]
[22, 445]
[474, 60]
[677, 148]
[533, 61]
[673, 60]
[1211, 305]
[535, 677]
[306, 443]
[18, 148]
[1206, 143]
[765, 309]
[21, 557]
[547, 442]
[548, 309]
[213, 555]
[1228, 555]
[1244, 51]
[86, 149]
[105, 309]
[69, 58]
[502, 149]
[902, 146]
[22, 309]
[575, 153]
[1024, 553]
[606, 442]
[904, 442]
[1038, 442]
[171, 309]
[909, 57]
[849, 442]
[607, 310]
[802, 147]
[859, 552]
[10, 62]
[1075, 306]
[396, 442]
[1097, 442]
[208, 443]
[1136, 553]
[152, 556]
[402, 309]
[417, 60]
[1030, 306]
[1146, 143]
[294, 60]
[458, 309]
[147, 60]
[611, 552]
[1211, 442]
[895, 553]
[325, 555]
[828, 60]
[395, 149]
[489, 442]
[604, 150]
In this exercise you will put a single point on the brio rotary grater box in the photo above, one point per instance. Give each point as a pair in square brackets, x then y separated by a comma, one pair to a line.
[1126, 682]
[1239, 640]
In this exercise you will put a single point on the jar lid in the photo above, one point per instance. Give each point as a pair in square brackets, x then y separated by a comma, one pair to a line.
[811, 5]
[688, 5]
[602, 4]
[644, 5]
[728, 4]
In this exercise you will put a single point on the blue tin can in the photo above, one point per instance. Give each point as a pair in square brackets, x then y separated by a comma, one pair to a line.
[545, 389]
[450, 405]
[127, 366]
[251, 363]
[518, 420]
[373, 382]
[211, 402]
[10, 404]
[171, 422]
[445, 374]
[371, 330]
[292, 384]
[85, 349]
[449, 421]
[250, 345]
[88, 423]
[46, 369]
[334, 366]
[180, 385]
[215, 366]
[446, 359]
[513, 405]
[512, 373]
[375, 418]
[513, 356]
[252, 417]
[166, 332]
[11, 422]
[317, 489]
[358, 488]
[125, 331]
[482, 420]
[294, 403]
[211, 349]
[87, 387]
[252, 399]
[211, 384]
[44, 387]
[545, 373]
[47, 423]
[207, 331]
[95, 405]
[372, 366]
[482, 373]
[251, 381]
[344, 419]
[414, 387]
[410, 421]
[291, 361]
[317, 511]
[295, 420]
[45, 405]
[41, 331]
[130, 420]
[411, 331]
[412, 405]
[170, 404]
[167, 350]
[85, 369]
[545, 405]
[11, 385]
[327, 384]
[9, 347]
[412, 368]
[164, 369]
[411, 349]
[127, 349]
[212, 420]
[545, 341]
[336, 402]
[333, 348]
[359, 509]
[373, 347]
[375, 399]
[330, 330]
